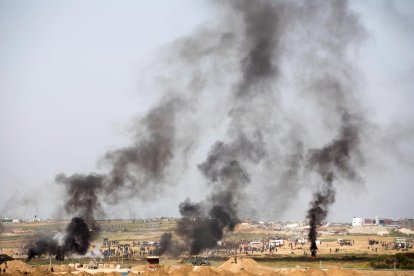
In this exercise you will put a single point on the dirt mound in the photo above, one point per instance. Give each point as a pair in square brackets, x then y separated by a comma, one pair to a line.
[63, 268]
[339, 272]
[140, 268]
[239, 264]
[315, 272]
[14, 274]
[246, 266]
[240, 273]
[16, 266]
[83, 273]
[41, 270]
[107, 274]
[158, 272]
[296, 273]
[225, 273]
[318, 272]
[203, 271]
[179, 270]
[56, 268]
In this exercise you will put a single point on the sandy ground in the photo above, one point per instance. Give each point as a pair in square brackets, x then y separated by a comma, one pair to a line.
[243, 267]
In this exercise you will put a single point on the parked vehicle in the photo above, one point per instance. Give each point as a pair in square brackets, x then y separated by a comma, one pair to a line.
[199, 261]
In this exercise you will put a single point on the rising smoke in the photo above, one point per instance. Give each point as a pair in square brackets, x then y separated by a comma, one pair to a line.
[82, 191]
[334, 160]
[332, 86]
[76, 239]
[134, 170]
[225, 166]
[319, 210]
[265, 24]
[254, 41]
[170, 246]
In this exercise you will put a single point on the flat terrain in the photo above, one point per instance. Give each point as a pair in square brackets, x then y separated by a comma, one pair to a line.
[332, 258]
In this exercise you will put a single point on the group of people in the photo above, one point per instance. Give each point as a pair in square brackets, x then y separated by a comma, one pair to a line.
[118, 251]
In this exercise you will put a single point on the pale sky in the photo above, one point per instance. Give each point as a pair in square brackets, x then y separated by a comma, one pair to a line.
[73, 74]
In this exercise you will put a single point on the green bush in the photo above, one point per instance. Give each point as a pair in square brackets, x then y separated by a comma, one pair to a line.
[401, 260]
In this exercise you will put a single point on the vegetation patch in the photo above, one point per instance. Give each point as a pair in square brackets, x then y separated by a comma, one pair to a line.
[399, 261]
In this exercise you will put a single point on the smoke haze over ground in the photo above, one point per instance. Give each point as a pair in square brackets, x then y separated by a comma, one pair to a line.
[247, 115]
[76, 239]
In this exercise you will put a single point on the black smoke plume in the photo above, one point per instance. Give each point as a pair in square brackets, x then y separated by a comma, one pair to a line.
[338, 159]
[76, 239]
[82, 195]
[133, 170]
[226, 165]
[249, 47]
[332, 84]
[262, 33]
[141, 167]
[227, 178]
[319, 210]
[166, 243]
[169, 246]
[203, 231]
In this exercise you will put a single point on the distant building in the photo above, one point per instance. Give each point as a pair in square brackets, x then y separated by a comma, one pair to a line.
[356, 221]
[387, 222]
[369, 221]
[6, 220]
[406, 223]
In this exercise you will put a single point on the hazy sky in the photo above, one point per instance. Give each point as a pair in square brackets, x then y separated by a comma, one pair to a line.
[73, 74]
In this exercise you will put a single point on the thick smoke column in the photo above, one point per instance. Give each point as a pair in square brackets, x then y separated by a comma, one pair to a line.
[319, 210]
[168, 245]
[205, 230]
[83, 200]
[225, 168]
[337, 157]
[264, 27]
[82, 194]
[228, 178]
[76, 239]
[332, 86]
[251, 42]
[262, 34]
[140, 167]
[133, 171]
[334, 160]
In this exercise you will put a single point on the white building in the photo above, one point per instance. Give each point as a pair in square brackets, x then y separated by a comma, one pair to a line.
[356, 221]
